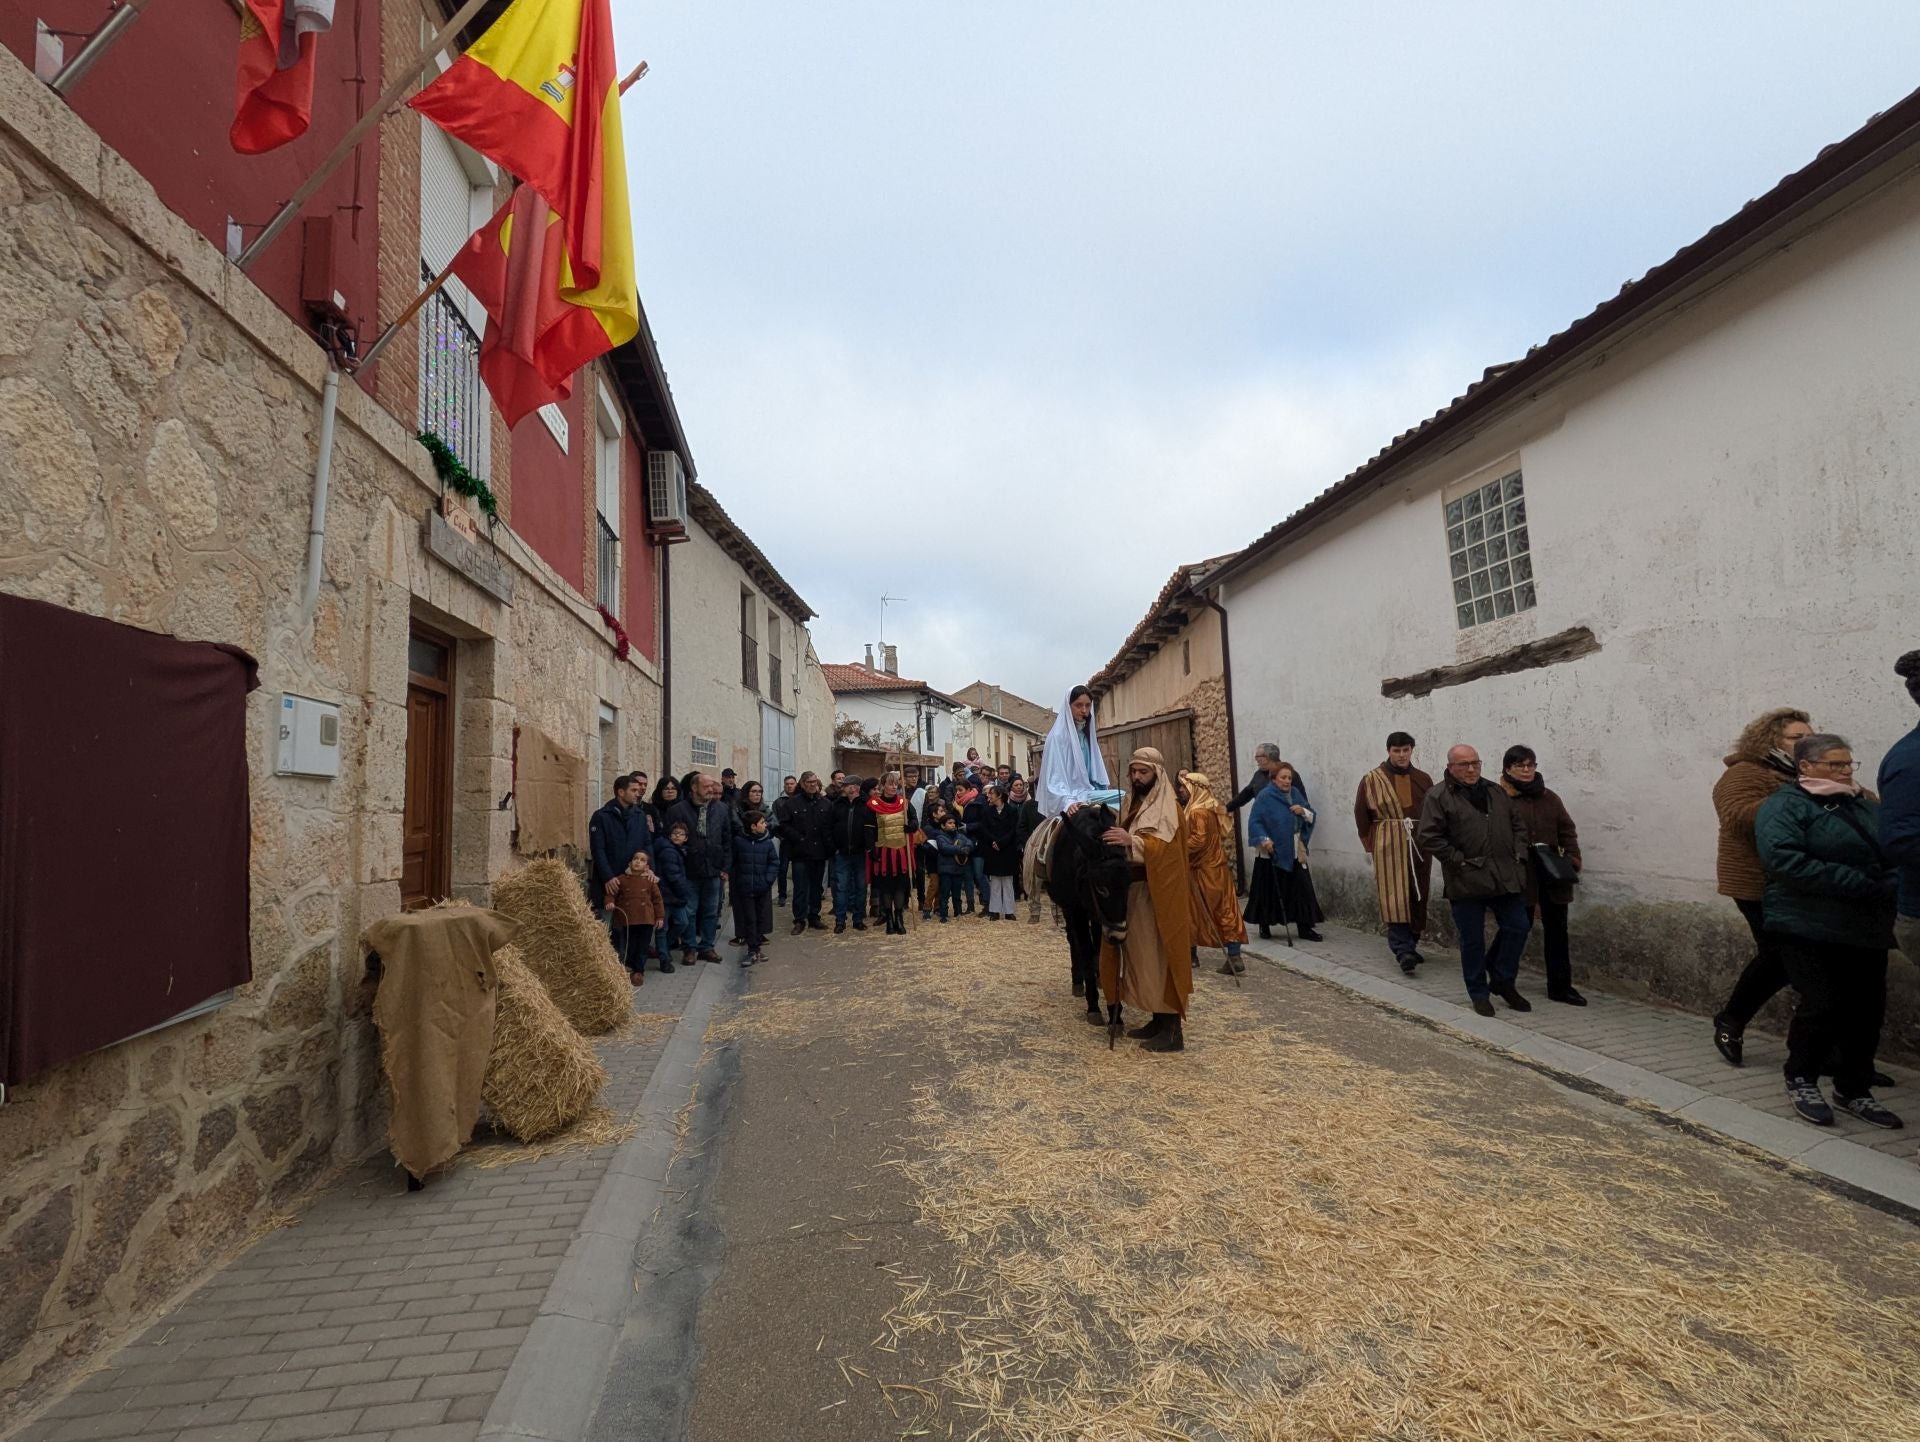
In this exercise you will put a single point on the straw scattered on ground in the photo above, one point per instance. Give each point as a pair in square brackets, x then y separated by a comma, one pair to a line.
[565, 946]
[599, 1127]
[1269, 1238]
[542, 1076]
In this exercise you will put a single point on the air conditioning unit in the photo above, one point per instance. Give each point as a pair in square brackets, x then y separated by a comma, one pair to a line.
[666, 491]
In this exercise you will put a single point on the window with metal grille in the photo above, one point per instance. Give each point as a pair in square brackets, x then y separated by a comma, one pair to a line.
[606, 490]
[773, 654]
[749, 645]
[705, 751]
[1489, 555]
[456, 198]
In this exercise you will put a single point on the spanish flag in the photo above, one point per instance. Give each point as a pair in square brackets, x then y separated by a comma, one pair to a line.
[274, 99]
[539, 95]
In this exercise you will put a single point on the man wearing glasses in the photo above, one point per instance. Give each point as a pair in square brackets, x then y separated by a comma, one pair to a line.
[1480, 840]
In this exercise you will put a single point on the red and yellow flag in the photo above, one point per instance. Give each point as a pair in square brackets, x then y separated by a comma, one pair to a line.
[274, 87]
[539, 94]
[516, 266]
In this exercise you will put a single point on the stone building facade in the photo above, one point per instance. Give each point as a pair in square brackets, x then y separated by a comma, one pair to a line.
[1167, 686]
[158, 427]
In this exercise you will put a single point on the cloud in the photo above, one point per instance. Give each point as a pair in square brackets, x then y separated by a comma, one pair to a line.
[1026, 518]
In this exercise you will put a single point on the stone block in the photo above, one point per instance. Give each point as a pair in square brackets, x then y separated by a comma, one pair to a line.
[59, 580]
[302, 995]
[217, 1128]
[275, 1119]
[54, 478]
[195, 1226]
[381, 840]
[35, 1249]
[141, 1172]
[158, 329]
[27, 302]
[182, 483]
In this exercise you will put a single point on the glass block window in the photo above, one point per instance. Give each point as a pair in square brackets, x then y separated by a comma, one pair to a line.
[1488, 557]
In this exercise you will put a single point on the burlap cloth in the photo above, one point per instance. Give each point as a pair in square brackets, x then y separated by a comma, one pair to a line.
[435, 1014]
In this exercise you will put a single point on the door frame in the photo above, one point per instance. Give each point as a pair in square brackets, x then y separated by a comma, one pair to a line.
[439, 867]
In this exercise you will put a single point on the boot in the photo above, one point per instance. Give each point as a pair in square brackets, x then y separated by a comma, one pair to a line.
[1169, 1037]
[1149, 1028]
[798, 927]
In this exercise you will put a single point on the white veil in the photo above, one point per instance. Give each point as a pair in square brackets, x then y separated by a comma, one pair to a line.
[1071, 766]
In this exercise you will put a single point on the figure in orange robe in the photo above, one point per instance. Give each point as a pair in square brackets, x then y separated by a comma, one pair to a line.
[1153, 968]
[1216, 919]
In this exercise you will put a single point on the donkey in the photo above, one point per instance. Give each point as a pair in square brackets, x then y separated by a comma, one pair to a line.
[1087, 879]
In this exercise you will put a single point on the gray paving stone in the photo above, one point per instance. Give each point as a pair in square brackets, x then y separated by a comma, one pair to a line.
[290, 1404]
[1773, 1134]
[405, 1414]
[327, 1356]
[462, 1384]
[314, 1427]
[436, 1365]
[1849, 1162]
[121, 1423]
[377, 1394]
[173, 1394]
[194, 1414]
[343, 1373]
[267, 1384]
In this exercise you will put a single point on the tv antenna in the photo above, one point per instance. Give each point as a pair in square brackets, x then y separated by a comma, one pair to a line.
[885, 601]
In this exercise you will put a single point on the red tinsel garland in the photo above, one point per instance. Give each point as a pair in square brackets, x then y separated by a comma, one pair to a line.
[621, 646]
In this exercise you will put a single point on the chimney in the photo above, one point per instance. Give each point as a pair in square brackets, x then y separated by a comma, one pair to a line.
[869, 655]
[891, 659]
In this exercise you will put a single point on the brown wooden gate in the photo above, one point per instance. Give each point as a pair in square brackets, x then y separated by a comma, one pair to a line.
[1171, 733]
[426, 852]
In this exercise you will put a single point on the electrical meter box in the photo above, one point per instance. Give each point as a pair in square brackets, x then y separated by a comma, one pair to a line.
[309, 737]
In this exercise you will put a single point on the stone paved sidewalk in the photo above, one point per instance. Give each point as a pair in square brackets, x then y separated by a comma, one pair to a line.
[381, 1313]
[1675, 1047]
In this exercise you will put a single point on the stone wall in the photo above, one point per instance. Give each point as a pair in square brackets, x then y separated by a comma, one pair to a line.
[158, 419]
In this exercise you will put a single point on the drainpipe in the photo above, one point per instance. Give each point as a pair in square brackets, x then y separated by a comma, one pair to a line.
[1233, 741]
[666, 660]
[322, 478]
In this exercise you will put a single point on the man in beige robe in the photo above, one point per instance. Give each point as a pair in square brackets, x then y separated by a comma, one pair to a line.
[1153, 968]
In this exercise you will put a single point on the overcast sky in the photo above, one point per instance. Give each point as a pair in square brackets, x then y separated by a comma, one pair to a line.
[1008, 309]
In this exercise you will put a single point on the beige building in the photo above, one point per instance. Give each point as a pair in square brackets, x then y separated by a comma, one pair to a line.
[1167, 686]
[1004, 728]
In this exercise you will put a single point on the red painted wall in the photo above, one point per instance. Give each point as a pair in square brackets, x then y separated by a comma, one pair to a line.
[642, 602]
[550, 487]
[163, 98]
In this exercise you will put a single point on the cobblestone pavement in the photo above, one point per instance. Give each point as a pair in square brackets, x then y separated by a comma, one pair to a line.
[1675, 1045]
[381, 1313]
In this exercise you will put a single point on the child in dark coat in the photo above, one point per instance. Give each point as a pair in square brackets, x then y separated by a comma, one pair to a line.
[756, 865]
[635, 902]
[670, 865]
[956, 864]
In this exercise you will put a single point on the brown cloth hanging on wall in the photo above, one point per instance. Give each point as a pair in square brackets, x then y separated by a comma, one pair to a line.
[123, 772]
[435, 1014]
[549, 795]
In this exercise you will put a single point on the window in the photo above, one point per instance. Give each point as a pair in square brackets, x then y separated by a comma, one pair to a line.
[773, 654]
[606, 491]
[749, 646]
[456, 198]
[1186, 658]
[1488, 555]
[705, 752]
[609, 739]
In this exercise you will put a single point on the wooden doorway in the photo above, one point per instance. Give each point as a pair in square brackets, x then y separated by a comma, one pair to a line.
[426, 853]
[1171, 732]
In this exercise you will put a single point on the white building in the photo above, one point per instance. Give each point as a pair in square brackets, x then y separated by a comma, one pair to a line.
[877, 710]
[743, 681]
[1697, 502]
[1004, 728]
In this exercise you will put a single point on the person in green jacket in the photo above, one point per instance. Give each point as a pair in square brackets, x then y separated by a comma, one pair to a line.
[1829, 910]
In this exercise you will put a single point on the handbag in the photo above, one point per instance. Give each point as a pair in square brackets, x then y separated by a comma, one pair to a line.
[1554, 868]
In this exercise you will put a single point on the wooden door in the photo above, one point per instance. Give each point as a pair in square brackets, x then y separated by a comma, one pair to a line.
[426, 853]
[1171, 733]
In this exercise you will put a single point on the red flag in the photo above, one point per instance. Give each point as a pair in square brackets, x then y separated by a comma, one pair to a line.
[278, 43]
[537, 337]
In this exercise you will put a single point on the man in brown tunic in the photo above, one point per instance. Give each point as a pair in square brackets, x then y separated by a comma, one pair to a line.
[1386, 810]
[1216, 920]
[1153, 968]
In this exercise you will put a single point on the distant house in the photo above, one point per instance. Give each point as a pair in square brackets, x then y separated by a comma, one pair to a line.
[883, 719]
[1694, 503]
[1004, 727]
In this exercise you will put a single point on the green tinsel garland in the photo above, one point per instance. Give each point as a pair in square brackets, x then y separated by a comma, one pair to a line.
[457, 477]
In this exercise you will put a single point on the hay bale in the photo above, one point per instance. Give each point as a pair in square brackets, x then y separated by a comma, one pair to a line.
[565, 946]
[541, 1075]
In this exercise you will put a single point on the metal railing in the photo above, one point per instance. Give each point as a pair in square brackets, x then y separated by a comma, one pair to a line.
[453, 402]
[609, 564]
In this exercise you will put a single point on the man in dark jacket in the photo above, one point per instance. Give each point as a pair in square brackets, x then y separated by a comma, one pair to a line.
[709, 855]
[1472, 828]
[853, 837]
[1900, 816]
[806, 836]
[729, 787]
[614, 833]
[782, 805]
[1266, 761]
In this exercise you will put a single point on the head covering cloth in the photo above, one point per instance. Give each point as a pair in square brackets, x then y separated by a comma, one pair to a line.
[1072, 770]
[1200, 795]
[1157, 814]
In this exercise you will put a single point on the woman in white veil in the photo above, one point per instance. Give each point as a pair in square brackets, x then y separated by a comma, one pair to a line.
[1073, 773]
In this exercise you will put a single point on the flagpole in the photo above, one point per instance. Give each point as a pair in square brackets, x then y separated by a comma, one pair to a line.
[97, 45]
[396, 89]
[413, 306]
